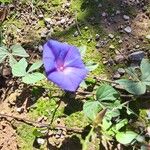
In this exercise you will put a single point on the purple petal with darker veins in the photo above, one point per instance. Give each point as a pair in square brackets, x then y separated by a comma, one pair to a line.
[69, 79]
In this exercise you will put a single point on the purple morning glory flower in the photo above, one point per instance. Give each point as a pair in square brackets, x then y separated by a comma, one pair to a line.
[63, 65]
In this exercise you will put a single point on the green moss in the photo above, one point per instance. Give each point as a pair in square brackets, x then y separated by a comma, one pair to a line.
[46, 107]
[76, 120]
[26, 137]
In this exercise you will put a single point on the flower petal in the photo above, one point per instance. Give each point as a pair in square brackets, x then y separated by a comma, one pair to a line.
[69, 79]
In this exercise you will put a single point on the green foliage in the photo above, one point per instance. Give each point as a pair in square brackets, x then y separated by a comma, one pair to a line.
[28, 77]
[106, 92]
[138, 84]
[91, 109]
[5, 1]
[15, 50]
[128, 137]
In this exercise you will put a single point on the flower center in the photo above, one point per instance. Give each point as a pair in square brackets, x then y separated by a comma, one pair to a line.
[61, 68]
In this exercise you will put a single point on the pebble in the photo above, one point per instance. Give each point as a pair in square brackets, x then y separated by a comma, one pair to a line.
[97, 37]
[20, 110]
[62, 21]
[111, 36]
[119, 58]
[76, 34]
[104, 14]
[118, 12]
[6, 72]
[128, 29]
[86, 28]
[112, 47]
[41, 16]
[40, 141]
[116, 76]
[98, 45]
[136, 56]
[121, 71]
[120, 41]
[125, 17]
[148, 37]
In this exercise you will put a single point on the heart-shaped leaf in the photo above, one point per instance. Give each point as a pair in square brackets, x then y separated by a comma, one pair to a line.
[133, 87]
[145, 69]
[91, 109]
[106, 92]
[82, 50]
[126, 137]
[3, 53]
[19, 68]
[18, 50]
[33, 78]
[35, 66]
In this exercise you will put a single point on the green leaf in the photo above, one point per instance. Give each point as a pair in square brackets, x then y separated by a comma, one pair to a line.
[106, 124]
[12, 60]
[133, 87]
[126, 137]
[121, 124]
[3, 53]
[33, 78]
[82, 50]
[91, 109]
[91, 66]
[145, 69]
[19, 68]
[35, 66]
[18, 50]
[131, 72]
[106, 92]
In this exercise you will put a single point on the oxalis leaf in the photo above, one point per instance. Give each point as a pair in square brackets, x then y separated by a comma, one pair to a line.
[91, 109]
[145, 69]
[126, 137]
[133, 87]
[35, 66]
[91, 66]
[19, 68]
[3, 53]
[82, 50]
[18, 50]
[106, 92]
[33, 78]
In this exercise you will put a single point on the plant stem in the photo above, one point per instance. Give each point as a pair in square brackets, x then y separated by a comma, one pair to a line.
[87, 139]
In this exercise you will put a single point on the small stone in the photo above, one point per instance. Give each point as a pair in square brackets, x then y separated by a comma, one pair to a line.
[86, 28]
[111, 36]
[116, 76]
[112, 47]
[99, 5]
[41, 16]
[40, 141]
[104, 14]
[98, 45]
[119, 58]
[67, 5]
[148, 37]
[62, 21]
[6, 72]
[76, 34]
[121, 71]
[118, 12]
[40, 48]
[125, 17]
[97, 37]
[136, 56]
[128, 29]
[20, 109]
[120, 41]
[137, 46]
[48, 26]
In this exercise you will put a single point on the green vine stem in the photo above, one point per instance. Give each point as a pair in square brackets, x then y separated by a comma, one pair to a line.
[87, 139]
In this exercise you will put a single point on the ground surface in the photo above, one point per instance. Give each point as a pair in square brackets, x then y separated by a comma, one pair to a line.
[101, 26]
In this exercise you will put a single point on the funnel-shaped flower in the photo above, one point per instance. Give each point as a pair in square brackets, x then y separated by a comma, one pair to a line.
[63, 65]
